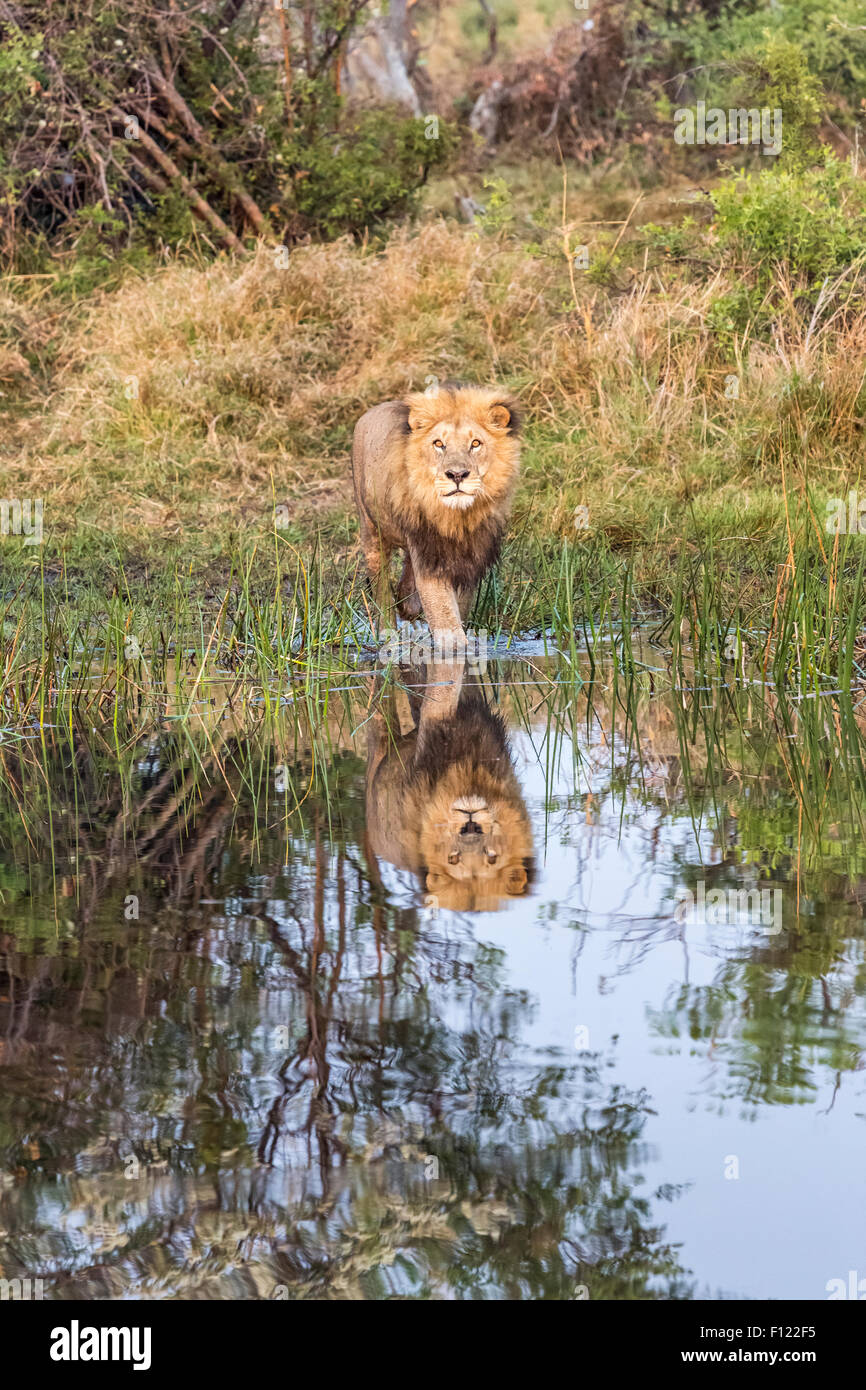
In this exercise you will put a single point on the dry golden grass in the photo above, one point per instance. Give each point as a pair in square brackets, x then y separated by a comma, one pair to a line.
[182, 399]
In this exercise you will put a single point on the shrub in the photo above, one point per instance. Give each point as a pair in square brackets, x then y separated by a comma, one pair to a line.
[704, 37]
[809, 222]
[777, 78]
[372, 169]
[812, 220]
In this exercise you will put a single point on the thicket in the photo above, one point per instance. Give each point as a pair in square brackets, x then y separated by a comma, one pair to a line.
[120, 124]
[621, 74]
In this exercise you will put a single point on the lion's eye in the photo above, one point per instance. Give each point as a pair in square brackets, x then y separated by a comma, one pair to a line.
[437, 444]
[476, 444]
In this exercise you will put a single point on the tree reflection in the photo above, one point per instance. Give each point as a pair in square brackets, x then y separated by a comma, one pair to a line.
[282, 1073]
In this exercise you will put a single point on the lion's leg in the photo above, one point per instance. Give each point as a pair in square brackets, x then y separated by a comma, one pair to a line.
[416, 699]
[465, 599]
[384, 595]
[444, 682]
[442, 613]
[379, 569]
[377, 557]
[408, 602]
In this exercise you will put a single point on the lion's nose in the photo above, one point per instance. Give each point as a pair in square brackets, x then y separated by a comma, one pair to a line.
[471, 828]
[457, 475]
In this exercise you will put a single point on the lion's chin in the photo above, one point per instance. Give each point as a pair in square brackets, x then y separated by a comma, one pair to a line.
[459, 501]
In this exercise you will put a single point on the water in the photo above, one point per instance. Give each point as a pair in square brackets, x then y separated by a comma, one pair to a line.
[251, 1046]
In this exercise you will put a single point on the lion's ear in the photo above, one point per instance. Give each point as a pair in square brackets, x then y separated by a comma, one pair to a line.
[505, 415]
[515, 880]
[424, 410]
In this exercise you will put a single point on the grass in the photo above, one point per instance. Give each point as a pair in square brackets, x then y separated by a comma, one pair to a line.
[96, 657]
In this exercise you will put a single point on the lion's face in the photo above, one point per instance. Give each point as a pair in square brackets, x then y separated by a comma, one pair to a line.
[475, 847]
[463, 446]
[459, 455]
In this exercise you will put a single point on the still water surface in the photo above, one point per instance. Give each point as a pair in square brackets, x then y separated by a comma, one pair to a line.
[413, 995]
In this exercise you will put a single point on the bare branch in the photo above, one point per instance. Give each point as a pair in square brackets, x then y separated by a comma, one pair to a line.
[198, 204]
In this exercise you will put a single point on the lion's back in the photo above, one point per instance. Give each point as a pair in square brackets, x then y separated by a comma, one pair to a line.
[376, 446]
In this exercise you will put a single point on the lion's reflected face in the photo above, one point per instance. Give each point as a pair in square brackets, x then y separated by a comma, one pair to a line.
[472, 841]
[444, 801]
[475, 850]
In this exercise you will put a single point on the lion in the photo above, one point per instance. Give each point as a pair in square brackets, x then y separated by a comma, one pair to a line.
[434, 477]
[443, 800]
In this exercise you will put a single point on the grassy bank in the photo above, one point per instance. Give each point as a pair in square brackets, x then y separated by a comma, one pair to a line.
[695, 395]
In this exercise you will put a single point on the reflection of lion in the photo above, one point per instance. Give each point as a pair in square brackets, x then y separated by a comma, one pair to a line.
[434, 476]
[444, 802]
